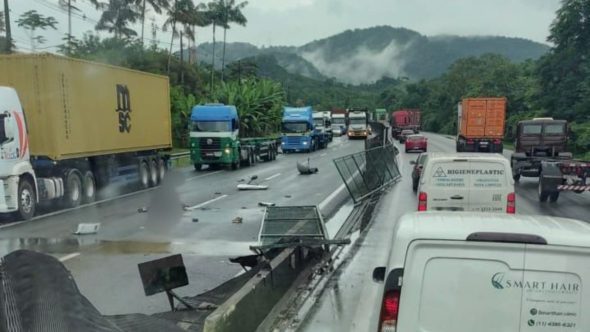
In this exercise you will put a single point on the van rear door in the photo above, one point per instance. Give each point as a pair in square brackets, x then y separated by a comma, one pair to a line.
[448, 188]
[553, 289]
[458, 286]
[489, 186]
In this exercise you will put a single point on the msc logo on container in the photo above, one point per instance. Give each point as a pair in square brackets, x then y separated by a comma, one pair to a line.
[123, 108]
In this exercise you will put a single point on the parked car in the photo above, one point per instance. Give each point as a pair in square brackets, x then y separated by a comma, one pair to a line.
[417, 170]
[479, 182]
[404, 134]
[416, 143]
[466, 272]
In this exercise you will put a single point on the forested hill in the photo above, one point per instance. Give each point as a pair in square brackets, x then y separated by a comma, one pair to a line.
[366, 55]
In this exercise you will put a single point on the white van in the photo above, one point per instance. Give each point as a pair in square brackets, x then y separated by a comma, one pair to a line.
[466, 182]
[478, 272]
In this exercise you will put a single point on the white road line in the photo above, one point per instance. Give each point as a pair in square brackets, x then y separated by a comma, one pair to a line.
[272, 177]
[205, 203]
[202, 176]
[68, 257]
[323, 154]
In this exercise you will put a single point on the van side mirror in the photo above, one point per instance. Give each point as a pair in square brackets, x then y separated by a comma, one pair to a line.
[379, 274]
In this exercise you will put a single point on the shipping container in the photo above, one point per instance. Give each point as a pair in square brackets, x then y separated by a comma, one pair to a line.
[481, 124]
[76, 108]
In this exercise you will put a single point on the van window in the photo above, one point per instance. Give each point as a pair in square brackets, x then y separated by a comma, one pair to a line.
[555, 129]
[532, 129]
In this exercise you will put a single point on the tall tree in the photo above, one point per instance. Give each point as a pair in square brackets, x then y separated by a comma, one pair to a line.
[215, 15]
[564, 72]
[157, 5]
[117, 16]
[232, 13]
[32, 21]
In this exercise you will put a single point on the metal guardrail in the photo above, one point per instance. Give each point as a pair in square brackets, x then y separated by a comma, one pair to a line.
[366, 172]
[179, 159]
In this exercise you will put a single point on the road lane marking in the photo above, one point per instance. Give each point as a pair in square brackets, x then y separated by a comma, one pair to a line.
[205, 203]
[68, 257]
[323, 154]
[272, 177]
[202, 176]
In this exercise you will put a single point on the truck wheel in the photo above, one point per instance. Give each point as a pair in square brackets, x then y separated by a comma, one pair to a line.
[144, 175]
[516, 177]
[161, 169]
[27, 201]
[73, 190]
[554, 196]
[248, 161]
[543, 195]
[198, 167]
[235, 165]
[154, 173]
[89, 187]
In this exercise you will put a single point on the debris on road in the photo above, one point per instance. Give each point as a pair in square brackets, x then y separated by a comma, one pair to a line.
[288, 196]
[186, 207]
[87, 228]
[207, 306]
[195, 219]
[306, 169]
[237, 220]
[252, 186]
[142, 210]
[266, 204]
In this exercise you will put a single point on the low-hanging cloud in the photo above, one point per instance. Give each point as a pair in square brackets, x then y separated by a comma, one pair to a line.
[362, 66]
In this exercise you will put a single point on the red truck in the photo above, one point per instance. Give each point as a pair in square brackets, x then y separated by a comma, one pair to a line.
[405, 118]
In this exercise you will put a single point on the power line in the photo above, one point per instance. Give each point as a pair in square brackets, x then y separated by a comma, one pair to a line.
[63, 11]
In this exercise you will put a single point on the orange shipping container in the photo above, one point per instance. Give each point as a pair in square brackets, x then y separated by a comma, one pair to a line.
[482, 117]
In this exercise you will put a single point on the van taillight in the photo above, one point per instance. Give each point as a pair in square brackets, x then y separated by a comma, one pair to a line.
[510, 205]
[470, 141]
[422, 201]
[389, 311]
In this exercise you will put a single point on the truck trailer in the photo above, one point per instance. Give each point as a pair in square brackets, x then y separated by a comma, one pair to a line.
[480, 124]
[216, 139]
[405, 119]
[339, 121]
[72, 129]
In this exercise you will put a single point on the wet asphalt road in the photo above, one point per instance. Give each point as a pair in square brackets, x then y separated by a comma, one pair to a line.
[105, 265]
[351, 301]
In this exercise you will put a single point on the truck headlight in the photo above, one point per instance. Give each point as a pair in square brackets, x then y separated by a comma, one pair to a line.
[304, 142]
[227, 151]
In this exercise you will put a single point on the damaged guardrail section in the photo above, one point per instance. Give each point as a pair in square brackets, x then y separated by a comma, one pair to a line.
[366, 172]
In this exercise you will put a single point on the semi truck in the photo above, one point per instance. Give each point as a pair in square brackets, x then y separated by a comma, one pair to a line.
[217, 139]
[299, 132]
[358, 123]
[380, 115]
[74, 129]
[405, 119]
[480, 124]
[323, 123]
[339, 121]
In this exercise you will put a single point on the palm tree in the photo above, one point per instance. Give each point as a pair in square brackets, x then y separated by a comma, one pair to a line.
[215, 15]
[116, 17]
[157, 6]
[31, 21]
[232, 13]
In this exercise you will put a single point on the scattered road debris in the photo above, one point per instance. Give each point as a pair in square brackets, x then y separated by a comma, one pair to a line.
[237, 220]
[87, 228]
[266, 204]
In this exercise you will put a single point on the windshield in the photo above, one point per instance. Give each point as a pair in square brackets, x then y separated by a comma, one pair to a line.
[357, 121]
[211, 126]
[555, 129]
[338, 121]
[318, 122]
[295, 127]
[532, 129]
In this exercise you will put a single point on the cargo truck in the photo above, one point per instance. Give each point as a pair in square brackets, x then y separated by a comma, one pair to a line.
[405, 119]
[323, 124]
[480, 125]
[380, 115]
[71, 129]
[298, 131]
[358, 123]
[339, 121]
[216, 139]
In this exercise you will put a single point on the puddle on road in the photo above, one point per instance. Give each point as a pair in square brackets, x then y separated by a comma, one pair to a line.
[110, 247]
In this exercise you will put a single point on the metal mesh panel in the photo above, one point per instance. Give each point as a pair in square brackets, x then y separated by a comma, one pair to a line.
[366, 172]
[284, 222]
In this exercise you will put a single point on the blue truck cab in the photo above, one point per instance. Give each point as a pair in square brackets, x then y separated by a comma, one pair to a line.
[298, 131]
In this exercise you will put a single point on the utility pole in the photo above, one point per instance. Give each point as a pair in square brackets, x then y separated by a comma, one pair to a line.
[69, 27]
[181, 60]
[7, 22]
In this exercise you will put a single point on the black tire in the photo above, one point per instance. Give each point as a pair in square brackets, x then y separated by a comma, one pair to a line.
[554, 196]
[73, 189]
[274, 154]
[154, 178]
[144, 175]
[415, 184]
[88, 187]
[27, 201]
[516, 177]
[543, 195]
[161, 169]
[198, 167]
[236, 165]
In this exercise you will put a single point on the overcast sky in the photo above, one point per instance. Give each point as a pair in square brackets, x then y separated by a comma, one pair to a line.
[296, 22]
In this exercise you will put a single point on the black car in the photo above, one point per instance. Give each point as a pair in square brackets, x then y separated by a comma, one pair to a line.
[417, 171]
